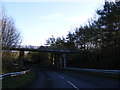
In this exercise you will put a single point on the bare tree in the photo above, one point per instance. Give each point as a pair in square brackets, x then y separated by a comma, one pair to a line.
[10, 34]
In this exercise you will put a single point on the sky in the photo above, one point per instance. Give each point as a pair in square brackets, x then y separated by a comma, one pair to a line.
[39, 20]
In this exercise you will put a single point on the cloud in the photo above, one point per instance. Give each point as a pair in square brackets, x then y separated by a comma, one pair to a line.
[80, 18]
[51, 16]
[60, 16]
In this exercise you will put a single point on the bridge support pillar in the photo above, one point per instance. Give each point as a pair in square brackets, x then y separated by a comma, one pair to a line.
[60, 62]
[53, 59]
[65, 59]
[21, 58]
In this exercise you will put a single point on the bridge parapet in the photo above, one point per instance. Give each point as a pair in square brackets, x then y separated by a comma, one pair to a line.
[27, 47]
[42, 49]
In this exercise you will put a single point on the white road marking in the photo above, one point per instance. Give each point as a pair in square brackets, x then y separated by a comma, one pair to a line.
[61, 77]
[73, 85]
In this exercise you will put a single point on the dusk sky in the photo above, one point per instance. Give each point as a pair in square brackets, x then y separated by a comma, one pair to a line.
[37, 21]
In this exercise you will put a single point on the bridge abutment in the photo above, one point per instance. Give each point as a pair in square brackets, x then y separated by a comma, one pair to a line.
[60, 62]
[65, 59]
[21, 58]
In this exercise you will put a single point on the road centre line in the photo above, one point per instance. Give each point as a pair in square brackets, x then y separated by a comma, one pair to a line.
[73, 85]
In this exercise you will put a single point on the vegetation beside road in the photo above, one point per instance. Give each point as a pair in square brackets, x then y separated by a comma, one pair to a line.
[18, 81]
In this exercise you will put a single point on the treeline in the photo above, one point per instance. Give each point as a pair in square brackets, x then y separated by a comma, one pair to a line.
[9, 37]
[99, 40]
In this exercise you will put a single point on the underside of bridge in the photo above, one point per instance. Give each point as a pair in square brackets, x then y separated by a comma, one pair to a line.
[58, 60]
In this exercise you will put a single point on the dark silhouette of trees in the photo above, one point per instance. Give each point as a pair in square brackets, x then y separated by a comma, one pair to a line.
[109, 23]
[50, 41]
[99, 40]
[10, 35]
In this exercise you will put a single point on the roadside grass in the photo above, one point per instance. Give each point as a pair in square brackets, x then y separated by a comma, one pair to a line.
[18, 81]
[115, 77]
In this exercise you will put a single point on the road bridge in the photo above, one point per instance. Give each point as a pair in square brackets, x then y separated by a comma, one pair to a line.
[59, 63]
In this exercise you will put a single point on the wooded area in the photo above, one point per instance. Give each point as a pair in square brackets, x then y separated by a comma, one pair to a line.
[99, 40]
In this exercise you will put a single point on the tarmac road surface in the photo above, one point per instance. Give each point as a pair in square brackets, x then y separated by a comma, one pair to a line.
[48, 78]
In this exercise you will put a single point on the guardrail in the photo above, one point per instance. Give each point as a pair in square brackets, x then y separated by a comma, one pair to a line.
[13, 74]
[97, 70]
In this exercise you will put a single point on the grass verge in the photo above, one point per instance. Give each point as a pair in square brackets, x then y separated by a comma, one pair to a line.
[17, 81]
